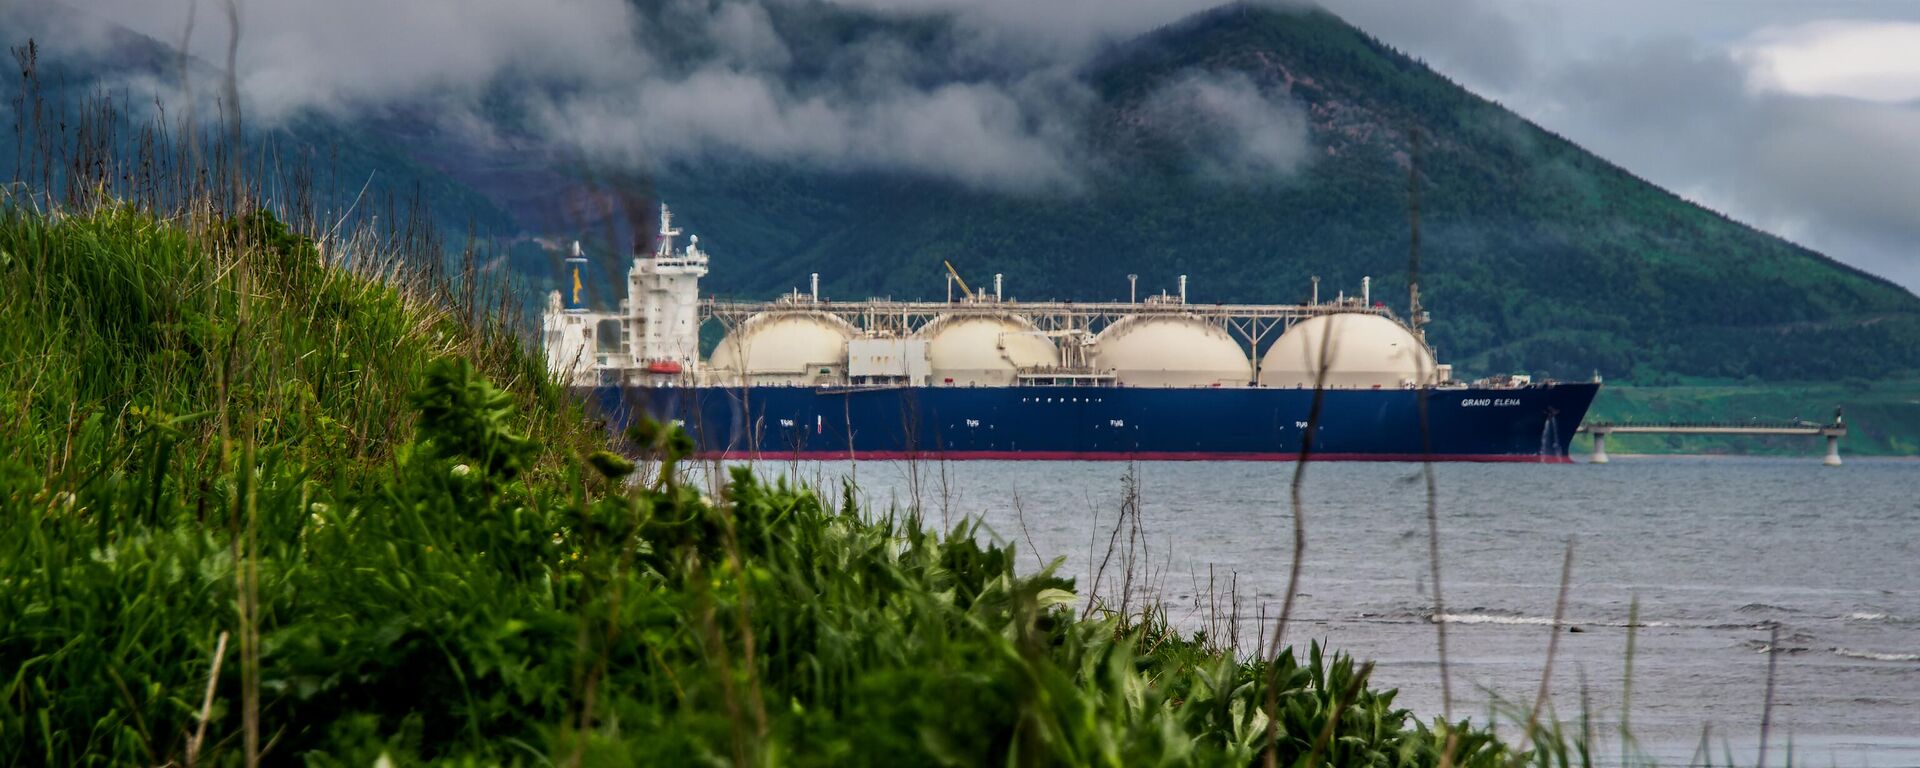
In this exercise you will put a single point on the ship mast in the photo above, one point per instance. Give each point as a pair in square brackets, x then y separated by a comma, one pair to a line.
[1413, 243]
[663, 247]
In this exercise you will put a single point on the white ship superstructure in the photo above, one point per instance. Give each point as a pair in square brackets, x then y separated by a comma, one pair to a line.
[655, 336]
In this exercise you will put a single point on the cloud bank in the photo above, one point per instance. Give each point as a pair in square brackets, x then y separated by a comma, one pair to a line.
[985, 135]
[991, 101]
[1232, 130]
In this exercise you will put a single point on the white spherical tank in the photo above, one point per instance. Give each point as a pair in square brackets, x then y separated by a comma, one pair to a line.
[797, 347]
[1172, 351]
[985, 350]
[1360, 351]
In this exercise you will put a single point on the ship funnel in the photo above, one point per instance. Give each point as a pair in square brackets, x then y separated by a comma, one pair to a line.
[576, 300]
[996, 286]
[1366, 291]
[1183, 289]
[816, 287]
[1316, 289]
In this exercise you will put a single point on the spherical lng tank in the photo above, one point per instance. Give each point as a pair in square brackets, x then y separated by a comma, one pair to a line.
[1171, 351]
[795, 347]
[1360, 351]
[985, 350]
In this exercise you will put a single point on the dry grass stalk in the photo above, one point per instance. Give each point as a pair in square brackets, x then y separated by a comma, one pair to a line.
[199, 737]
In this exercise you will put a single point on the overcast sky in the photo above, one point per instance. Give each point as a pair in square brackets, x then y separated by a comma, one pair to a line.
[1802, 118]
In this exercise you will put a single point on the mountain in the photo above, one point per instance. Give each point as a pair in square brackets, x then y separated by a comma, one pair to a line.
[1535, 255]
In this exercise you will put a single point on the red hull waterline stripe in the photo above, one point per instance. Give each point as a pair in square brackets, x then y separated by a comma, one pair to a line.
[1116, 456]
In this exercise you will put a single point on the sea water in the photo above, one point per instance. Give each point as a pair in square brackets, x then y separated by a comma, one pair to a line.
[1719, 553]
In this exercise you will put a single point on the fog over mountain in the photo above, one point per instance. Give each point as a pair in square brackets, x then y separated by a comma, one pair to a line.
[990, 103]
[1797, 117]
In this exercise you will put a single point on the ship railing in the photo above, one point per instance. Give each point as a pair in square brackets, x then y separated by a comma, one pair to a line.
[888, 307]
[1068, 376]
[1724, 424]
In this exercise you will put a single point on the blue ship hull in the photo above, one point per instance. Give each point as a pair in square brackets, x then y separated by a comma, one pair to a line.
[1532, 423]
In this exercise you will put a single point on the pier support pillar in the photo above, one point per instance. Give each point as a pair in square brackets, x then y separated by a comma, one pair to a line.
[1599, 448]
[1833, 450]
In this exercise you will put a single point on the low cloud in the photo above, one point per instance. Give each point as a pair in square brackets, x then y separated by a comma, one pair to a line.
[1232, 130]
[994, 136]
[345, 55]
[747, 38]
[1865, 60]
[991, 102]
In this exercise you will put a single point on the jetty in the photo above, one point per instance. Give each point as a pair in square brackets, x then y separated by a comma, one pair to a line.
[1832, 432]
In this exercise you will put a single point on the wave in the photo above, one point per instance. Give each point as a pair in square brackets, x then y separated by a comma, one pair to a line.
[1874, 656]
[1482, 618]
[1761, 646]
[1876, 617]
[1494, 618]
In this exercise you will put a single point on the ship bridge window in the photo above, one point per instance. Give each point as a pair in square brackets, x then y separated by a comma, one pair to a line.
[608, 332]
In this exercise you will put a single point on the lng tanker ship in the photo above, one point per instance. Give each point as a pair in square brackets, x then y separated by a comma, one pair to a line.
[982, 377]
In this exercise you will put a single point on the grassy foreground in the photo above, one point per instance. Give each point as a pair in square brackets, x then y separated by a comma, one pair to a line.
[259, 507]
